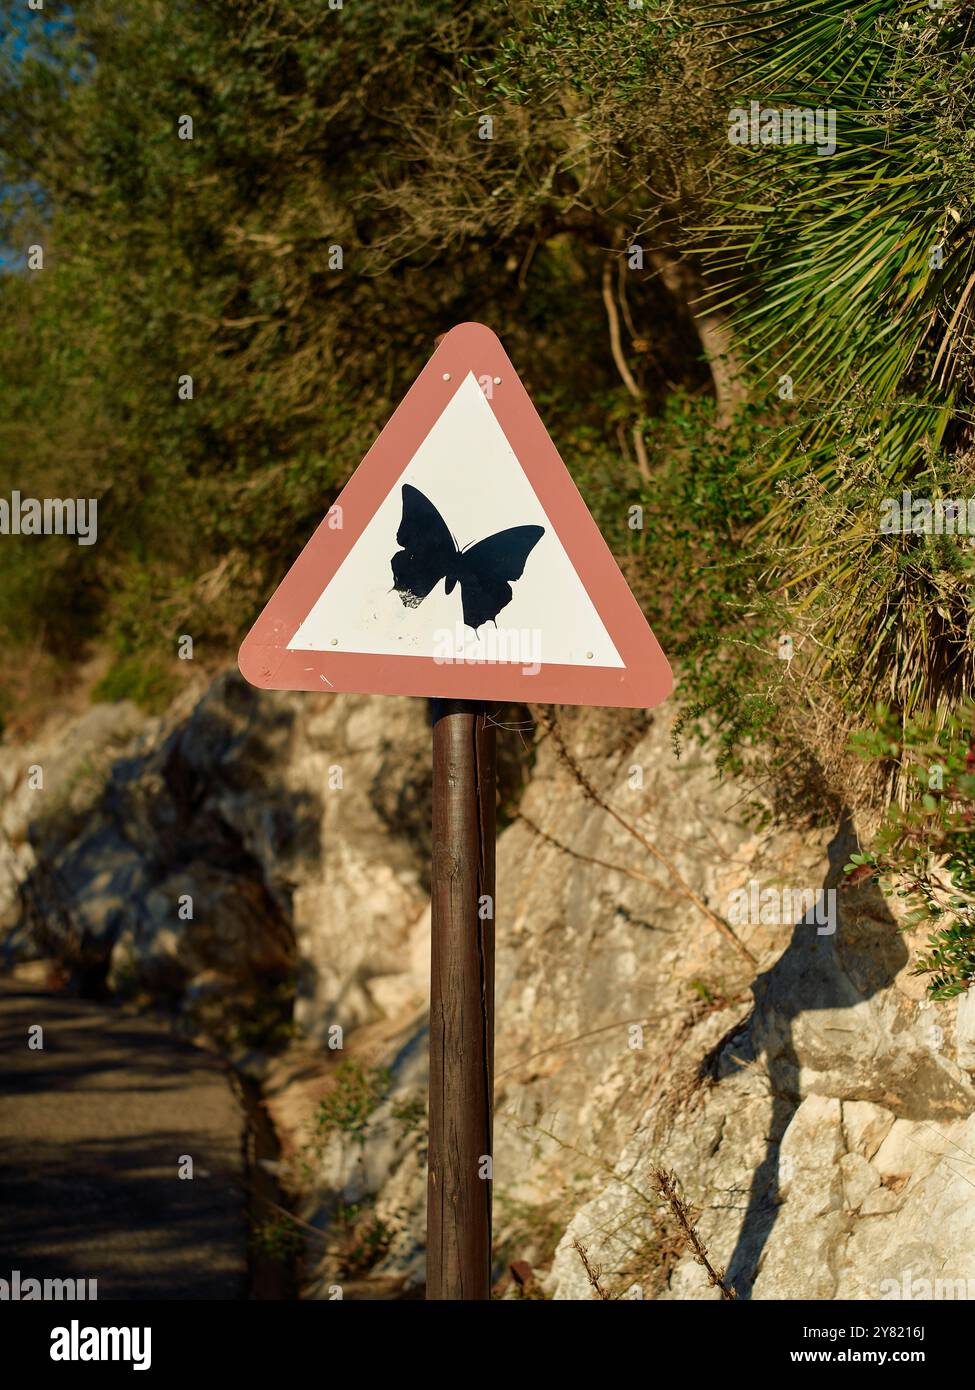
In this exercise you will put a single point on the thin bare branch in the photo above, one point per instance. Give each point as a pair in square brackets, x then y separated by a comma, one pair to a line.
[683, 886]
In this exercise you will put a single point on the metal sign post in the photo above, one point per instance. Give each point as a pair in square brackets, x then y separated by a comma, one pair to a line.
[459, 1178]
[460, 563]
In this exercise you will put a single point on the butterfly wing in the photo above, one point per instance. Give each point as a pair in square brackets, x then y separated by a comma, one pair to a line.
[428, 548]
[487, 569]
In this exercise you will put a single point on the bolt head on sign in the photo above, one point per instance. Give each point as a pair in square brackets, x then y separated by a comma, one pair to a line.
[460, 561]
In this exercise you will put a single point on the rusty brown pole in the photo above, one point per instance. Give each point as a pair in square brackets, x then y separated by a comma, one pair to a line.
[459, 1181]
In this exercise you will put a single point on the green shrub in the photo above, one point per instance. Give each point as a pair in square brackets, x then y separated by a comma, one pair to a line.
[139, 678]
[925, 850]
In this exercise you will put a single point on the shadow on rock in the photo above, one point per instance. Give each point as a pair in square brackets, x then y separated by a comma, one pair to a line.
[177, 883]
[815, 993]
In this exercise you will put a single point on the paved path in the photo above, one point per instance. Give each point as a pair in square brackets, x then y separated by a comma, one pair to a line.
[91, 1132]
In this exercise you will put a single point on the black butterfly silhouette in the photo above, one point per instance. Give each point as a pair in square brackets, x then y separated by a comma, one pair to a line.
[430, 554]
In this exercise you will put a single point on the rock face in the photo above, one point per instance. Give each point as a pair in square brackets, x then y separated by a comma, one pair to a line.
[813, 1119]
[816, 1113]
[53, 786]
[258, 843]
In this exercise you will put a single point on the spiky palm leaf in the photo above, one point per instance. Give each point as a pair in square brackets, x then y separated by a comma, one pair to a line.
[854, 274]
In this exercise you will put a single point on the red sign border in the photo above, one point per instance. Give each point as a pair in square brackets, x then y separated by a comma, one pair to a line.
[645, 678]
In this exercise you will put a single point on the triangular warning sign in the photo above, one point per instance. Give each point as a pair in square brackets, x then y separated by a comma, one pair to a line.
[460, 561]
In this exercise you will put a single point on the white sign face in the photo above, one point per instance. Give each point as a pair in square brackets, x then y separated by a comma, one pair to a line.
[459, 561]
[468, 472]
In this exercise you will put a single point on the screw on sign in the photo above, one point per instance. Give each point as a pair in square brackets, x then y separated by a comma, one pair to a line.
[461, 564]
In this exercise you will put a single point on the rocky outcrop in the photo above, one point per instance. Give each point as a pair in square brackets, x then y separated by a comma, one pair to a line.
[815, 1111]
[255, 843]
[814, 1119]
